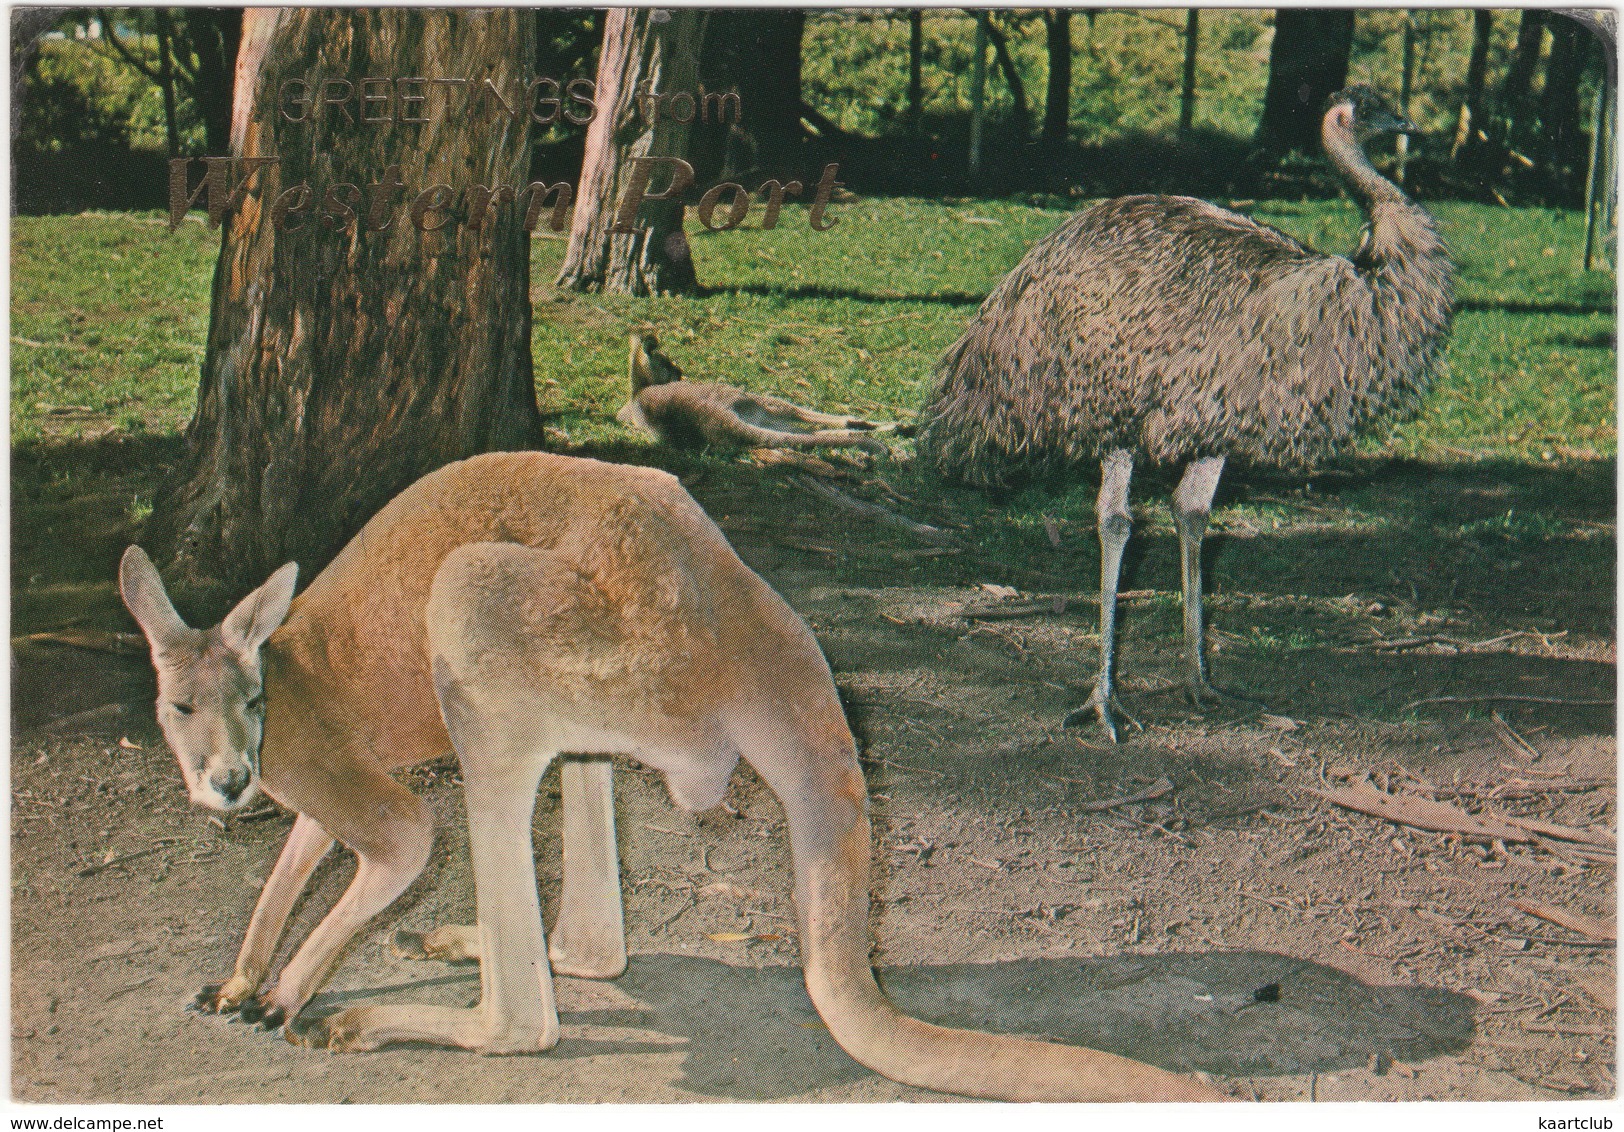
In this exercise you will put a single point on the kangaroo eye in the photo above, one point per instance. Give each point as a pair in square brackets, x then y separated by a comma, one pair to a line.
[183, 709]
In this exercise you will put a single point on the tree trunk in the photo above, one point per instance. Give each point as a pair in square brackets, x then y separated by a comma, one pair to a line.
[1470, 122]
[978, 91]
[1560, 114]
[1515, 107]
[346, 360]
[1019, 111]
[214, 34]
[755, 52]
[1192, 42]
[916, 69]
[1308, 62]
[164, 33]
[1057, 96]
[654, 258]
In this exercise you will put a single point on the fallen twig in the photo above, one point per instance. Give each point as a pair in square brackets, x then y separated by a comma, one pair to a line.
[1155, 790]
[1573, 921]
[872, 510]
[1421, 813]
[128, 987]
[92, 870]
[1515, 742]
[1508, 699]
[96, 640]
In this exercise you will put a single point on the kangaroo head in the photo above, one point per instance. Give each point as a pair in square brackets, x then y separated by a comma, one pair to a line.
[648, 365]
[211, 699]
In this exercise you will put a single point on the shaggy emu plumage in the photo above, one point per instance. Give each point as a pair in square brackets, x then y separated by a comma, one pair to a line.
[1171, 329]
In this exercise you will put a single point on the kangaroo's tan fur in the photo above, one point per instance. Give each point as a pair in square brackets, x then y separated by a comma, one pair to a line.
[690, 414]
[516, 606]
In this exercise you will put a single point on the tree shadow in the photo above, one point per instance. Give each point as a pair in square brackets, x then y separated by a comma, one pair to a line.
[818, 291]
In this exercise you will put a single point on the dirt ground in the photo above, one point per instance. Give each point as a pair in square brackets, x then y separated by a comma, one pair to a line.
[1006, 896]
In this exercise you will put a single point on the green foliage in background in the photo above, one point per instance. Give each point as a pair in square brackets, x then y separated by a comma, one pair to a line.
[80, 95]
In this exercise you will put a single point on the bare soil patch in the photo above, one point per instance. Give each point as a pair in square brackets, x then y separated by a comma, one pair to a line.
[1235, 924]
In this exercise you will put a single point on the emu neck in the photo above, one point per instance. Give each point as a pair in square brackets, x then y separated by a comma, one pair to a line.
[1366, 184]
[1399, 230]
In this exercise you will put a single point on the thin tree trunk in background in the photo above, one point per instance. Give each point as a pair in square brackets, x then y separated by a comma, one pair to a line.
[1560, 114]
[916, 71]
[1192, 40]
[345, 361]
[1406, 86]
[1515, 105]
[655, 258]
[1308, 62]
[1057, 95]
[978, 92]
[755, 52]
[1600, 187]
[215, 33]
[164, 33]
[1470, 121]
[1012, 79]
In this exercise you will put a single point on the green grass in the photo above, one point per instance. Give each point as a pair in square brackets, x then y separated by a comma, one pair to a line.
[109, 317]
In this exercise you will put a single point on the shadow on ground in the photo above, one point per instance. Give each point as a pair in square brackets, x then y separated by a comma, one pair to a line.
[751, 1034]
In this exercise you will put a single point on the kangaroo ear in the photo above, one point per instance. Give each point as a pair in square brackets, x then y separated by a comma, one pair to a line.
[641, 376]
[259, 614]
[148, 602]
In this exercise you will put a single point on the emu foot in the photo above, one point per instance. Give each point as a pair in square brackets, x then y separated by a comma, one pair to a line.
[1100, 705]
[1202, 695]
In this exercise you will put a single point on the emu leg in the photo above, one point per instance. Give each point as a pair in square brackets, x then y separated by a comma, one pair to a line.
[1115, 525]
[1192, 506]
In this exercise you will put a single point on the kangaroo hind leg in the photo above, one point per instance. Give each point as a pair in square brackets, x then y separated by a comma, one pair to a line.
[502, 764]
[589, 940]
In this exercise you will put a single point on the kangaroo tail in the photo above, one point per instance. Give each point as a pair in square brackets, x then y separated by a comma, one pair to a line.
[825, 807]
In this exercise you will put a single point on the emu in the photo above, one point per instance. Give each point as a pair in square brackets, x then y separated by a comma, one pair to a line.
[1171, 329]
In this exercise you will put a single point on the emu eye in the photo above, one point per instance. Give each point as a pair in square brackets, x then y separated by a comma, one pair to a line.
[257, 704]
[183, 709]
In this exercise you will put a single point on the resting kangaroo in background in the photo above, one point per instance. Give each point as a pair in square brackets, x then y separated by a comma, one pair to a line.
[517, 606]
[688, 414]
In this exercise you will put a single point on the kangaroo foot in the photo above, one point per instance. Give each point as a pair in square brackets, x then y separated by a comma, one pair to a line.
[449, 943]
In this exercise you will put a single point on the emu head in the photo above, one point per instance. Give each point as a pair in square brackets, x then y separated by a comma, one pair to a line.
[1364, 114]
[211, 698]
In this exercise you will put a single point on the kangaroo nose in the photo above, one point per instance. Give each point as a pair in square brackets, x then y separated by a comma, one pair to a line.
[230, 784]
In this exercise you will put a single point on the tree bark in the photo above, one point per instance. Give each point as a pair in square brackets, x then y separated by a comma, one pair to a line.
[347, 359]
[1308, 62]
[1057, 95]
[660, 58]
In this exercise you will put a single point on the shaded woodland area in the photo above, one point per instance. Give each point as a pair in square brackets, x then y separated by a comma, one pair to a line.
[1064, 101]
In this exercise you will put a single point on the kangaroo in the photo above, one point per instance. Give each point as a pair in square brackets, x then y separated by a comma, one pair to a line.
[514, 607]
[689, 414]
